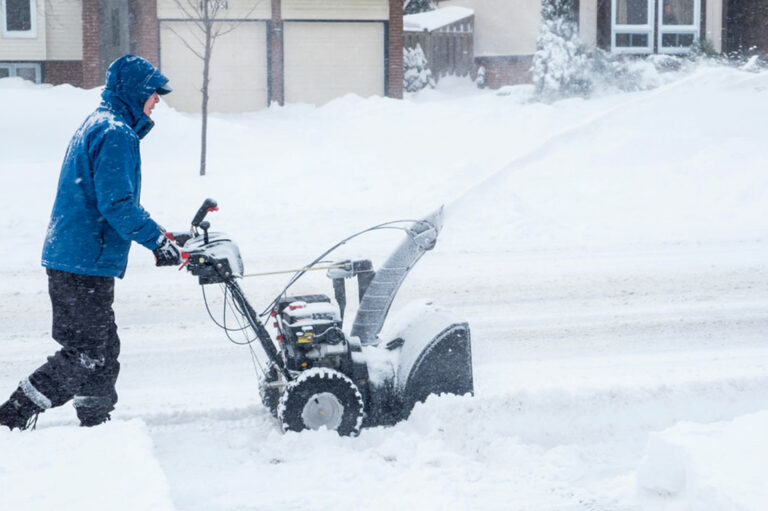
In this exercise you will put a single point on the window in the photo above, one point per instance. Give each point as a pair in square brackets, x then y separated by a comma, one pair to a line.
[632, 26]
[678, 25]
[672, 25]
[19, 18]
[26, 70]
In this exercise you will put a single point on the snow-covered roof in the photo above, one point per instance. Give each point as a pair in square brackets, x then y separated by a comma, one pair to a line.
[433, 20]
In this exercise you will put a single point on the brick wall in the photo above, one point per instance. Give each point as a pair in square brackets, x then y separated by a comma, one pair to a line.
[276, 63]
[395, 50]
[144, 31]
[91, 64]
[57, 72]
[506, 70]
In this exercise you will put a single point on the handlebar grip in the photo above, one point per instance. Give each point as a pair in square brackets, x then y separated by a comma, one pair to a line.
[208, 205]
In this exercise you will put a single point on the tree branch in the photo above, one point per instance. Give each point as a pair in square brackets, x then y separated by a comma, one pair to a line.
[237, 23]
[195, 17]
[189, 47]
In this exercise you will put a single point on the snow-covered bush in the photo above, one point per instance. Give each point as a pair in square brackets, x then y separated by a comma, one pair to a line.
[563, 66]
[481, 80]
[416, 6]
[416, 72]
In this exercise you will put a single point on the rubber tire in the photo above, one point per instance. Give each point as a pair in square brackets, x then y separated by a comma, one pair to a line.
[270, 398]
[316, 381]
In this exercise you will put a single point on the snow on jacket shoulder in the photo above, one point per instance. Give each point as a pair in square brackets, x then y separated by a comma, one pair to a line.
[97, 212]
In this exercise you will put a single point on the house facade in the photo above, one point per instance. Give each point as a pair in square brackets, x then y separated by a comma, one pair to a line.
[314, 50]
[269, 50]
[506, 30]
[651, 26]
[39, 38]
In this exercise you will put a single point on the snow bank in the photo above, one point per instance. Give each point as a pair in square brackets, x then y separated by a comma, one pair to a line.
[633, 172]
[109, 467]
[710, 466]
[432, 20]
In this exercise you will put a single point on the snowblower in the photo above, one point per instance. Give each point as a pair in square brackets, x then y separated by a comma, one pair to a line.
[317, 375]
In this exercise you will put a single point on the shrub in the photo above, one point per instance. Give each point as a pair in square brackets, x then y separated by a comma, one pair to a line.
[416, 72]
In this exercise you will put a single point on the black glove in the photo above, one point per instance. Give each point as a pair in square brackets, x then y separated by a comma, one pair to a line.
[167, 254]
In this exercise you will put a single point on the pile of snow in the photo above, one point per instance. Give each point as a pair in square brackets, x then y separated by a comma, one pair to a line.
[111, 467]
[710, 467]
[644, 167]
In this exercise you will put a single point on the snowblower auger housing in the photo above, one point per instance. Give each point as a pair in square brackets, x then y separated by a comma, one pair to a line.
[318, 375]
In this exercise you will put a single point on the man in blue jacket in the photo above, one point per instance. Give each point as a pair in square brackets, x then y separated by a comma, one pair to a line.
[95, 217]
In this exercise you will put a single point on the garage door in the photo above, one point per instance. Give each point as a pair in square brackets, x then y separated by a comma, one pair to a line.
[326, 60]
[238, 67]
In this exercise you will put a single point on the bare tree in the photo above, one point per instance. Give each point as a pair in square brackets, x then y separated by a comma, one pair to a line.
[204, 14]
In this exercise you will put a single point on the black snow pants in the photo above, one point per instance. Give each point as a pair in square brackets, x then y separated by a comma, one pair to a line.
[86, 367]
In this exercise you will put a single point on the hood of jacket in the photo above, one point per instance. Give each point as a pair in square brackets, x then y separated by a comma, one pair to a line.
[131, 80]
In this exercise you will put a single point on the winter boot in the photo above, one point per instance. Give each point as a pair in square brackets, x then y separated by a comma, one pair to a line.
[93, 410]
[90, 418]
[19, 411]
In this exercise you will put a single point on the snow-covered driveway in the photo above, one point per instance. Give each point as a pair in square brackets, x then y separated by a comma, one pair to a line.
[610, 255]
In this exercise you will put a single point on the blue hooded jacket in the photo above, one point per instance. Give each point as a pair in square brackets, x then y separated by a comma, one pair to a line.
[97, 212]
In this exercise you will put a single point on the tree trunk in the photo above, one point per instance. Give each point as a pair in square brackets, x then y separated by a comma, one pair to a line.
[208, 24]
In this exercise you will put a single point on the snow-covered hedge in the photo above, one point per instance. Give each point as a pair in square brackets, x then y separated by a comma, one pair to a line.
[563, 66]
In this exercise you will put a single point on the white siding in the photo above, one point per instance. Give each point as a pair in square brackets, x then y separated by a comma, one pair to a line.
[588, 22]
[335, 9]
[18, 48]
[504, 27]
[714, 24]
[237, 9]
[327, 60]
[65, 30]
[238, 67]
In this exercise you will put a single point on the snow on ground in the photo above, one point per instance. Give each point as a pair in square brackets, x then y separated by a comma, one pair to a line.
[609, 255]
[718, 466]
[61, 467]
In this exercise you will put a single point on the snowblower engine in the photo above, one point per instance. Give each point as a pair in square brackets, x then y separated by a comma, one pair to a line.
[319, 374]
[310, 332]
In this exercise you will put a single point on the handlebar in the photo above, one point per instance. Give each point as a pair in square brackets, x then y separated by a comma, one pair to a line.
[208, 206]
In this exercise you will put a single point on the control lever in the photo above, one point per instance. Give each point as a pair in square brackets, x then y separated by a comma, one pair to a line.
[208, 206]
[205, 226]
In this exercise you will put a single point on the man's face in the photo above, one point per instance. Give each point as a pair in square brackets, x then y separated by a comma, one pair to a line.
[150, 103]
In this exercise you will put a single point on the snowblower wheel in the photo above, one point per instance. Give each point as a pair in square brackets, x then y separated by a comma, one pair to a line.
[270, 396]
[322, 397]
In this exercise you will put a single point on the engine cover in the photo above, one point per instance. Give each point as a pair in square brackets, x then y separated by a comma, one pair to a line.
[309, 320]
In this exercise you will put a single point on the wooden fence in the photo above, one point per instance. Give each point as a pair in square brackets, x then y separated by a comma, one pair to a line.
[450, 49]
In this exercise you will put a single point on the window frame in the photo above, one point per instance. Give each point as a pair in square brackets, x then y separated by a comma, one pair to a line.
[663, 29]
[21, 34]
[13, 67]
[617, 29]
